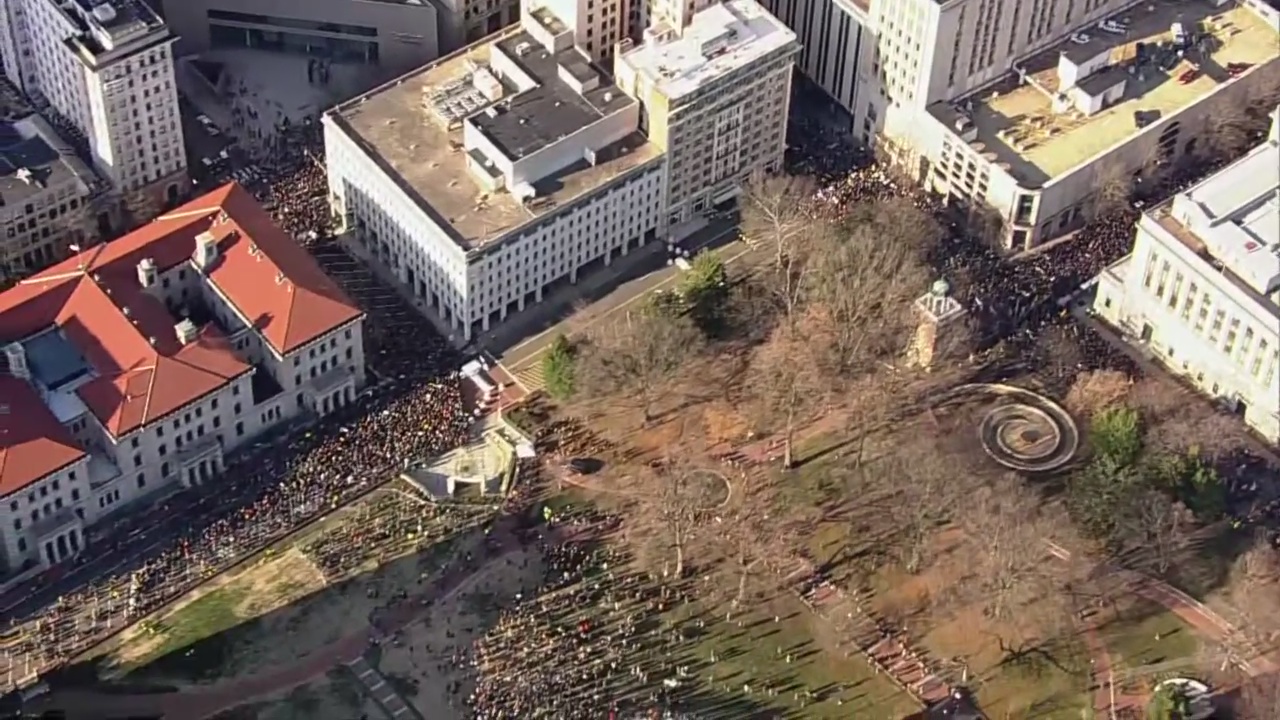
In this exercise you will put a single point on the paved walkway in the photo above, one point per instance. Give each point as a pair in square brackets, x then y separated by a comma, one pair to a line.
[377, 687]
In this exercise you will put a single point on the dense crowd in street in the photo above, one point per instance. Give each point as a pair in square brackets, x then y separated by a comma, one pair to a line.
[413, 409]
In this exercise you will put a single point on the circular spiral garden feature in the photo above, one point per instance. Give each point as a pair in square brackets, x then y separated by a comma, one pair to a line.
[1024, 430]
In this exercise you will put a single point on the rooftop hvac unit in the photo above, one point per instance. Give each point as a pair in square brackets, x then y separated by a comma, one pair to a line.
[523, 49]
[17, 357]
[487, 85]
[104, 13]
[186, 331]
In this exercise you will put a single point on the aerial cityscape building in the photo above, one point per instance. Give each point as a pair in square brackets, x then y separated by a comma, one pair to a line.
[45, 194]
[1028, 108]
[395, 36]
[484, 179]
[106, 69]
[1201, 288]
[141, 363]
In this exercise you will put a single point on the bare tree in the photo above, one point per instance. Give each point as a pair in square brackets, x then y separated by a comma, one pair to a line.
[754, 534]
[1258, 699]
[637, 357]
[785, 383]
[863, 286]
[775, 212]
[1233, 128]
[924, 499]
[1158, 531]
[679, 496]
[1006, 520]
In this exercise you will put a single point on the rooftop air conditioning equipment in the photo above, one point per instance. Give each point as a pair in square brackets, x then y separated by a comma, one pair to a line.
[186, 331]
[104, 13]
[17, 357]
[280, 277]
[206, 251]
[223, 217]
[146, 272]
[523, 49]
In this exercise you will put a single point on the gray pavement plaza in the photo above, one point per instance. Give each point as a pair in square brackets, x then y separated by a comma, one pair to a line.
[272, 84]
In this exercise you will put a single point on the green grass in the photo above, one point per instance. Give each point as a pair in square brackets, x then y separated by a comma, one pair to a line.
[1148, 641]
[197, 637]
[751, 655]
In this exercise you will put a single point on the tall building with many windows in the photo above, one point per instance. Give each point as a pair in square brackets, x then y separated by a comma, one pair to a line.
[1201, 288]
[715, 95]
[497, 174]
[1028, 107]
[106, 68]
[394, 36]
[45, 196]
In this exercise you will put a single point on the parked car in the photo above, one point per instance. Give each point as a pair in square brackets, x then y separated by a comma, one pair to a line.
[1189, 76]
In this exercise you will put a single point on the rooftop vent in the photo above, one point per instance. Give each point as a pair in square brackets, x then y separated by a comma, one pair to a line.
[279, 277]
[186, 331]
[206, 251]
[16, 355]
[146, 272]
[104, 13]
[223, 217]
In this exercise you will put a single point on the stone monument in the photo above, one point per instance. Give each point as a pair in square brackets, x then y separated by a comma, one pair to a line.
[938, 312]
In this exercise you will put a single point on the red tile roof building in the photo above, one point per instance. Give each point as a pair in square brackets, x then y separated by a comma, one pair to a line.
[209, 322]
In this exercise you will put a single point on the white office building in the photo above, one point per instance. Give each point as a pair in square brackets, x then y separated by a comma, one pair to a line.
[1201, 289]
[484, 179]
[106, 68]
[45, 194]
[493, 175]
[833, 40]
[1027, 107]
[716, 95]
[142, 363]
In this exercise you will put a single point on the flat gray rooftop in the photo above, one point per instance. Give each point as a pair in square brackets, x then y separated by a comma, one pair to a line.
[539, 117]
[46, 165]
[398, 129]
[1016, 121]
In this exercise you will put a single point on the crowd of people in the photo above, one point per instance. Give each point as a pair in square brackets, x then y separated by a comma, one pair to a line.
[583, 642]
[593, 636]
[414, 408]
[392, 524]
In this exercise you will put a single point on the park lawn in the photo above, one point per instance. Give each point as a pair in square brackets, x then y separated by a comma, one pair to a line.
[1051, 685]
[1148, 643]
[196, 638]
[751, 655]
